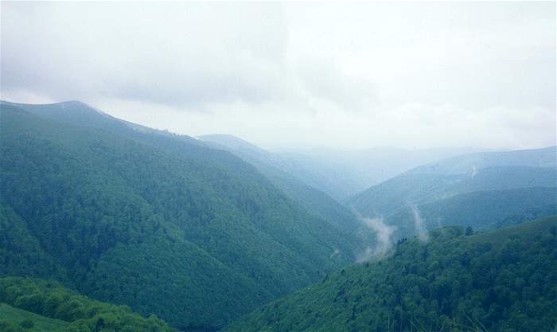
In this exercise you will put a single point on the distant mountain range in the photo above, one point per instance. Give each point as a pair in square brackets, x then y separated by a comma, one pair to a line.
[338, 173]
[483, 190]
[310, 197]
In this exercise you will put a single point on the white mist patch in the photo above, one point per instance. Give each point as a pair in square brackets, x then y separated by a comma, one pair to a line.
[419, 224]
[384, 234]
[474, 171]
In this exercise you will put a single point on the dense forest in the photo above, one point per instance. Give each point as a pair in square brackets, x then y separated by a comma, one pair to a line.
[296, 186]
[501, 280]
[93, 209]
[155, 221]
[37, 305]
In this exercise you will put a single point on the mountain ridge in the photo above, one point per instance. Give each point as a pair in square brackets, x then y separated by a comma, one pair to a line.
[338, 173]
[115, 201]
[493, 176]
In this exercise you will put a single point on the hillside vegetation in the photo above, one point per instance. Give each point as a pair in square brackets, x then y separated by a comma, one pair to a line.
[503, 280]
[316, 202]
[38, 305]
[158, 222]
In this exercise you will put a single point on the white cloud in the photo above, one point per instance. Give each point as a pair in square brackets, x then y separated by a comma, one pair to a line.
[337, 74]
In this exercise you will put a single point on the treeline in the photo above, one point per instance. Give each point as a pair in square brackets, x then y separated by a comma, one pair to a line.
[49, 299]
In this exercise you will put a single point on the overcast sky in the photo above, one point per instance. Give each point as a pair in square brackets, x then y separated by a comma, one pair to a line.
[343, 75]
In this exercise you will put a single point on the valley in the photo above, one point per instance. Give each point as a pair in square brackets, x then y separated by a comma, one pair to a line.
[106, 224]
[278, 166]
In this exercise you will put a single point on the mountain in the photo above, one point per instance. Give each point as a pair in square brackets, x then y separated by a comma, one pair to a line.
[316, 202]
[338, 173]
[39, 305]
[348, 172]
[239, 146]
[159, 222]
[482, 190]
[546, 157]
[298, 167]
[502, 280]
[479, 210]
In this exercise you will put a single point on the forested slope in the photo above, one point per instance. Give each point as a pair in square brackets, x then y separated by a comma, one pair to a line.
[313, 200]
[502, 280]
[156, 221]
[484, 190]
[38, 305]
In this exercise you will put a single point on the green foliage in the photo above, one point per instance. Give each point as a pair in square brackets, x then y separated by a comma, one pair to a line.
[39, 305]
[194, 278]
[498, 281]
[14, 319]
[314, 201]
[111, 209]
[15, 237]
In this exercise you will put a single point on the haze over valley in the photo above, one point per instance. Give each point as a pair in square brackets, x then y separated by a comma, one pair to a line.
[269, 166]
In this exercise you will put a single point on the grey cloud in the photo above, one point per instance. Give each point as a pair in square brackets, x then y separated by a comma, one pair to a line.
[170, 53]
[338, 74]
[324, 80]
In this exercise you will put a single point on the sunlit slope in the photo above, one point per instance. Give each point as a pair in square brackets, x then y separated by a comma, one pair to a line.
[113, 209]
[503, 280]
[38, 305]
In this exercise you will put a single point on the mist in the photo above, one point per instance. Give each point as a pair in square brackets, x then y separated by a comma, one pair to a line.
[419, 224]
[384, 234]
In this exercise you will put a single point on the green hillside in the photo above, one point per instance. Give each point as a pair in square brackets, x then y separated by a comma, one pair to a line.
[480, 190]
[503, 280]
[316, 202]
[38, 305]
[480, 210]
[420, 188]
[14, 319]
[158, 222]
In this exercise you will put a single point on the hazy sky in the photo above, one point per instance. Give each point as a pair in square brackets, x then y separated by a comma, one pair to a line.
[332, 74]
